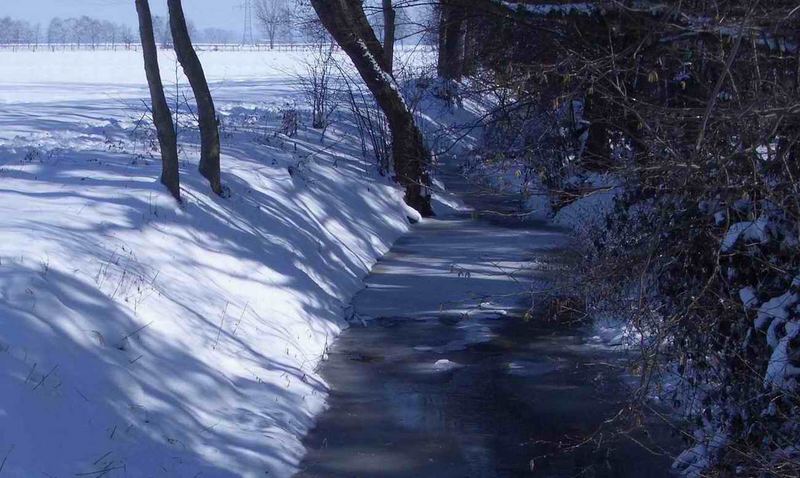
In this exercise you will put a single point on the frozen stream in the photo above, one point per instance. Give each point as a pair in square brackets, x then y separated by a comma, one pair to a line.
[447, 381]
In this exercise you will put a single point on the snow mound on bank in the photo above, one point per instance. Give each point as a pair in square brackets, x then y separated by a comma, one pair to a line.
[139, 338]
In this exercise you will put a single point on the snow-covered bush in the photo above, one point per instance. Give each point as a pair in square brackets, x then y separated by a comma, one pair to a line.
[318, 83]
[667, 138]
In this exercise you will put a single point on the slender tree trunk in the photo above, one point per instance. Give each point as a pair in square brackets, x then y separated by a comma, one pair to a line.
[162, 116]
[597, 152]
[389, 17]
[206, 113]
[347, 23]
[442, 39]
[470, 47]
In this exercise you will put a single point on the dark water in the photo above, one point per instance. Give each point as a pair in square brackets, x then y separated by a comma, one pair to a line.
[510, 400]
[429, 388]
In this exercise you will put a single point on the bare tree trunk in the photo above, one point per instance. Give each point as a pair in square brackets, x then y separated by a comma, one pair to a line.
[162, 116]
[441, 37]
[597, 152]
[355, 22]
[470, 47]
[347, 23]
[389, 16]
[451, 40]
[206, 113]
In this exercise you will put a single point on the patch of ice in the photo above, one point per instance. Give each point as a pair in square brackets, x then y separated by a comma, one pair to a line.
[530, 368]
[445, 365]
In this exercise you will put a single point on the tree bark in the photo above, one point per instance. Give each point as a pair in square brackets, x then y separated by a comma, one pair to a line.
[451, 40]
[162, 116]
[441, 37]
[389, 17]
[347, 23]
[206, 113]
[597, 152]
[470, 47]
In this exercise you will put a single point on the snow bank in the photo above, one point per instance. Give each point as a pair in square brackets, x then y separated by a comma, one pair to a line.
[587, 215]
[778, 315]
[750, 231]
[139, 338]
[544, 9]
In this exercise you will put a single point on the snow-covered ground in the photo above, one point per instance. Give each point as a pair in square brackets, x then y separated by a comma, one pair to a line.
[139, 338]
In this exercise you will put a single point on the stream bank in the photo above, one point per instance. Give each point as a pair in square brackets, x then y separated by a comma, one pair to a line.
[440, 376]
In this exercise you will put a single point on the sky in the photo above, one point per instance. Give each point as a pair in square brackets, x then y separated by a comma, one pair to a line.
[226, 14]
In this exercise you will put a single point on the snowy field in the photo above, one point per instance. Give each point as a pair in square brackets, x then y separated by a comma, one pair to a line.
[139, 338]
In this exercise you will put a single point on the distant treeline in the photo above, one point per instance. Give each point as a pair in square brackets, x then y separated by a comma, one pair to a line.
[90, 32]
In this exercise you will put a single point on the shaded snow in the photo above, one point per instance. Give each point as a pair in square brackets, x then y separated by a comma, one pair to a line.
[780, 372]
[693, 461]
[776, 308]
[589, 213]
[778, 315]
[748, 297]
[750, 231]
[160, 340]
[583, 8]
